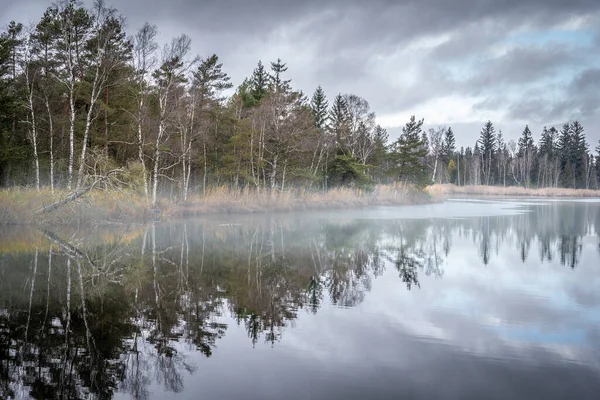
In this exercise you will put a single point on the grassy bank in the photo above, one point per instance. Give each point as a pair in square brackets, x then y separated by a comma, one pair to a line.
[514, 191]
[18, 205]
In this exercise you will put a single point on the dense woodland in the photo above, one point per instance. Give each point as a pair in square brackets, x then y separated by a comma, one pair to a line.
[80, 97]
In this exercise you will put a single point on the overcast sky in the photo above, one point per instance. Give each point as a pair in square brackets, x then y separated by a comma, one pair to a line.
[451, 62]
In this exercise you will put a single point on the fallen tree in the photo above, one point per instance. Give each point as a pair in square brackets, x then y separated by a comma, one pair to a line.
[78, 193]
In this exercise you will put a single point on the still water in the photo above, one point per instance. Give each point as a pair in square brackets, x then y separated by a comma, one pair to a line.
[462, 300]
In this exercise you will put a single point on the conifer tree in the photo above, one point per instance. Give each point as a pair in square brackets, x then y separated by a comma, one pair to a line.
[407, 154]
[210, 80]
[319, 107]
[276, 83]
[579, 156]
[449, 144]
[565, 150]
[526, 155]
[259, 83]
[339, 120]
[487, 146]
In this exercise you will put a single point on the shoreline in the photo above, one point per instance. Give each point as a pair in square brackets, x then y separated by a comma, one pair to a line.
[18, 205]
[445, 190]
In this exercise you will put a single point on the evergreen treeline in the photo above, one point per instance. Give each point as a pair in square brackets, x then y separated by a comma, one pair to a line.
[560, 159]
[79, 97]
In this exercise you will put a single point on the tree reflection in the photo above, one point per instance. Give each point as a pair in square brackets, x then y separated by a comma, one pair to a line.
[85, 315]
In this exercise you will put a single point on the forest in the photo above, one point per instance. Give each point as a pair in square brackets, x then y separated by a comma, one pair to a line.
[80, 98]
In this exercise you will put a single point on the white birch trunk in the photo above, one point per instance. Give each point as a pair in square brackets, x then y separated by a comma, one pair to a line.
[71, 127]
[33, 130]
[141, 144]
[51, 133]
[156, 163]
[204, 177]
[88, 123]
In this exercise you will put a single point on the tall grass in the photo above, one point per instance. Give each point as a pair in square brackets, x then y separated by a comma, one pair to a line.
[250, 200]
[18, 205]
[517, 191]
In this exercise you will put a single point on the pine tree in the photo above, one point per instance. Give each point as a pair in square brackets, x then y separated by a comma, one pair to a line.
[565, 150]
[525, 142]
[319, 106]
[547, 156]
[502, 157]
[207, 84]
[548, 142]
[407, 155]
[259, 83]
[210, 80]
[448, 153]
[379, 155]
[526, 155]
[276, 83]
[579, 155]
[339, 120]
[6, 103]
[448, 145]
[487, 146]
[12, 144]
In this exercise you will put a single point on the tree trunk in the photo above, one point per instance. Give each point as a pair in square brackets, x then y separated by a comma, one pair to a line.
[283, 177]
[434, 169]
[205, 168]
[88, 123]
[141, 144]
[458, 169]
[71, 128]
[33, 131]
[161, 130]
[274, 173]
[51, 133]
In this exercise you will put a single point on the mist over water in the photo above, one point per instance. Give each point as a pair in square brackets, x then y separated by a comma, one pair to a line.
[460, 300]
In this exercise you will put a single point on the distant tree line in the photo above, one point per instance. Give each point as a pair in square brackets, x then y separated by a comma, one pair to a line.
[79, 97]
[561, 158]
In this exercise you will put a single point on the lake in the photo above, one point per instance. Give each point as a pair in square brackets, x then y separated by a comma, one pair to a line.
[467, 299]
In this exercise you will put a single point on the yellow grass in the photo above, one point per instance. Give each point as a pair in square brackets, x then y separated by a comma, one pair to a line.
[226, 200]
[499, 191]
[17, 205]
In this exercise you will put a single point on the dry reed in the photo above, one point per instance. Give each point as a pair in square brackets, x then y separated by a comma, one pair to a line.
[227, 200]
[516, 191]
[17, 205]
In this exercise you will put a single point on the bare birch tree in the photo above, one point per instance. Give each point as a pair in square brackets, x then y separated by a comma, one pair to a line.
[105, 54]
[144, 60]
[169, 80]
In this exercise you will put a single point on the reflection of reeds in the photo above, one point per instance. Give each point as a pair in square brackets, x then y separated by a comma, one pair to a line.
[26, 238]
[17, 205]
[448, 189]
[21, 239]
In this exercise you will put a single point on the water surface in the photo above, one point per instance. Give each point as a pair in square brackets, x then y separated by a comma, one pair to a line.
[468, 299]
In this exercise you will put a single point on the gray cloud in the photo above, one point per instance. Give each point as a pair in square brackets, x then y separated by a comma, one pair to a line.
[360, 47]
[524, 66]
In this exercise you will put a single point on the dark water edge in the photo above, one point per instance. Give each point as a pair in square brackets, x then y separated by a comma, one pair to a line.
[465, 299]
